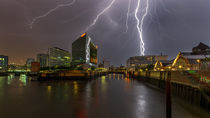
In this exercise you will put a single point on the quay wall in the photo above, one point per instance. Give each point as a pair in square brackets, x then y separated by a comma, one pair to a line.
[186, 85]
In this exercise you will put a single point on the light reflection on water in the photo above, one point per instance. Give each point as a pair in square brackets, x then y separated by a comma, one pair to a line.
[103, 83]
[111, 96]
[75, 87]
[10, 78]
[23, 79]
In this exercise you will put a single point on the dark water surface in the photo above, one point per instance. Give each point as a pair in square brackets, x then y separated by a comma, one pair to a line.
[113, 96]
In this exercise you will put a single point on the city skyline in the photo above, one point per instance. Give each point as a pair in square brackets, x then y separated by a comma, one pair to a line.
[169, 27]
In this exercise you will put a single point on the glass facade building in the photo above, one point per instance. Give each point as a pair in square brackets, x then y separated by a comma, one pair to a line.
[3, 63]
[84, 51]
[59, 57]
[43, 59]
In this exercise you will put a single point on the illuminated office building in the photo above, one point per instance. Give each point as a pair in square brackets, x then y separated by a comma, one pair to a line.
[84, 51]
[43, 59]
[3, 63]
[58, 57]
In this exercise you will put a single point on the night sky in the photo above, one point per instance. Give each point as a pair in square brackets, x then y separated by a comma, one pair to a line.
[171, 26]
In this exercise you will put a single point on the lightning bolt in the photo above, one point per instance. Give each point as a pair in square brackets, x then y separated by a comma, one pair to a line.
[101, 13]
[49, 12]
[140, 23]
[128, 13]
[88, 50]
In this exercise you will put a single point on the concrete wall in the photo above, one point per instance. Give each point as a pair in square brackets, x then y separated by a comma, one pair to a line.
[183, 85]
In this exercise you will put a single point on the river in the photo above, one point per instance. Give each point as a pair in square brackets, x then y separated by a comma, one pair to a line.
[111, 96]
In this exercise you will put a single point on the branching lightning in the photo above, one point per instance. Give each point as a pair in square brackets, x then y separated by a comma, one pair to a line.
[49, 12]
[101, 13]
[140, 23]
[128, 14]
[88, 50]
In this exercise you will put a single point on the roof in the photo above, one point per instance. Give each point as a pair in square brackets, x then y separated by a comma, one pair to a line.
[146, 56]
[144, 62]
[201, 46]
[166, 62]
[180, 56]
[196, 56]
[60, 49]
[186, 53]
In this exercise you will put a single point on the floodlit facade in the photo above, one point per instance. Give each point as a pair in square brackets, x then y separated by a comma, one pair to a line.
[84, 51]
[43, 60]
[181, 63]
[198, 59]
[3, 63]
[162, 65]
[58, 57]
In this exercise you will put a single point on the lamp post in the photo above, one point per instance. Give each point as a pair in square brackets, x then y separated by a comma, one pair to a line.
[199, 64]
[168, 96]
